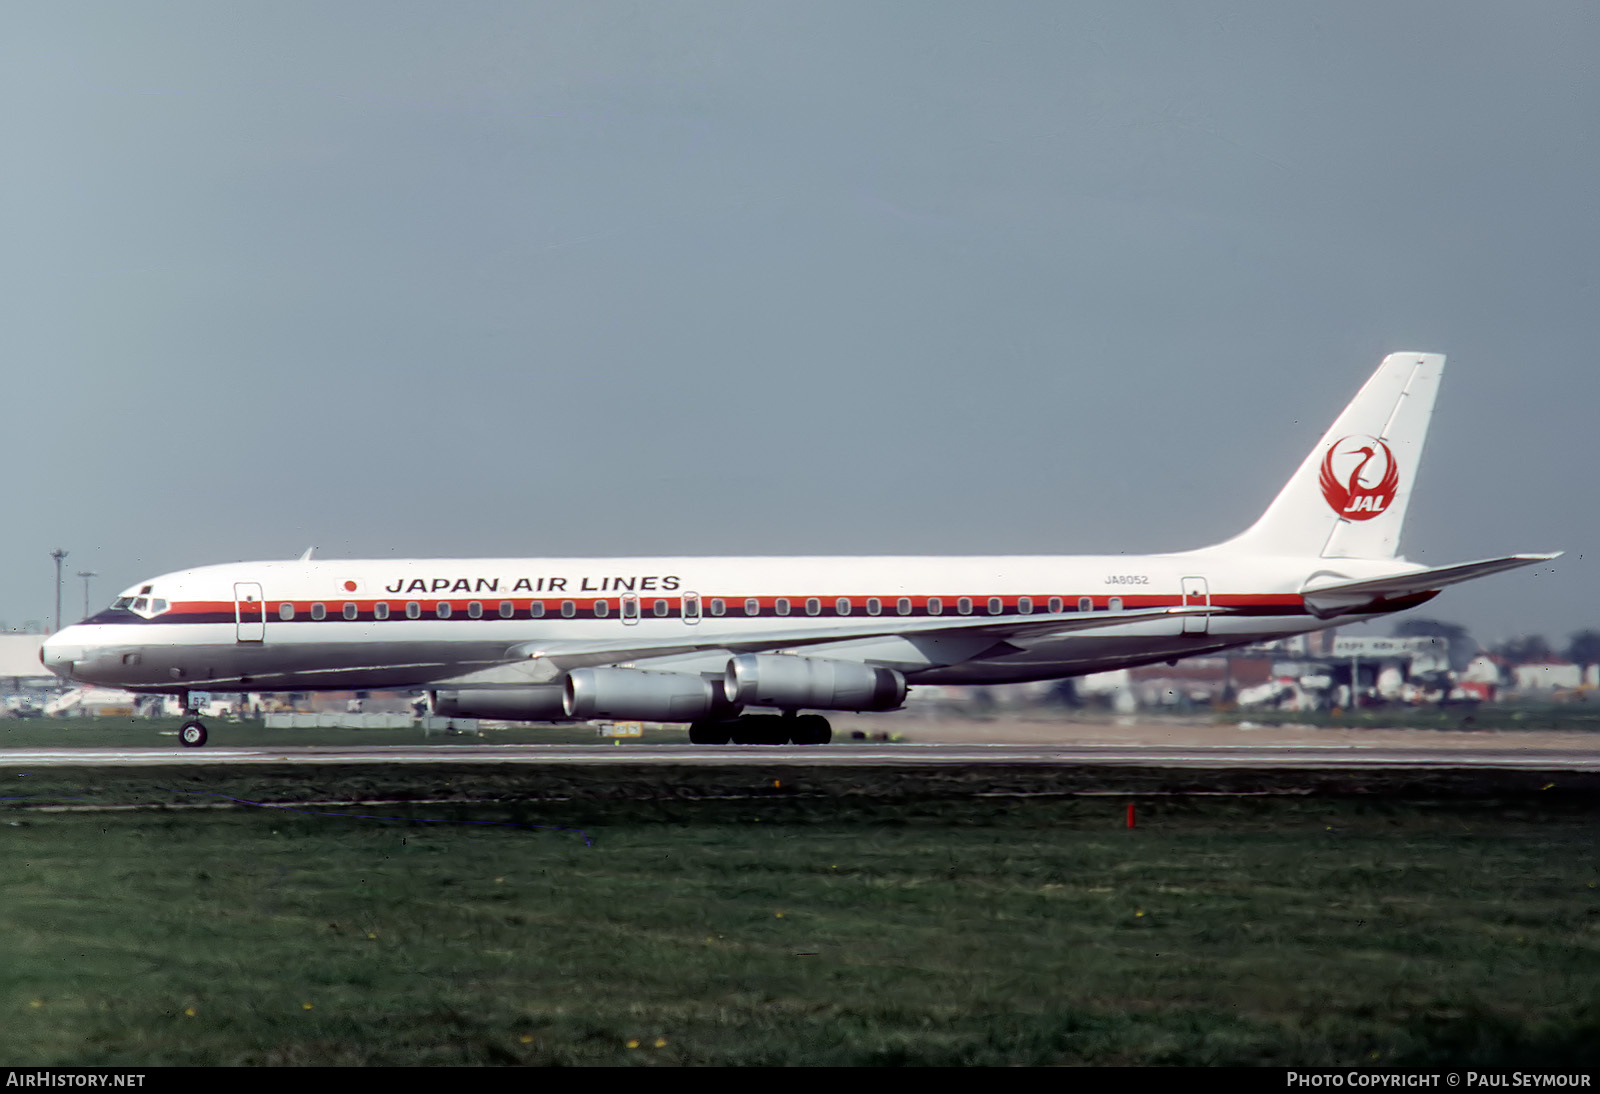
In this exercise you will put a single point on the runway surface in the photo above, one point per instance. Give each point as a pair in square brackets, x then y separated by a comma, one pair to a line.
[900, 754]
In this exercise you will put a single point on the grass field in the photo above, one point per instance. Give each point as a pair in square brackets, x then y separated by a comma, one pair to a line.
[795, 916]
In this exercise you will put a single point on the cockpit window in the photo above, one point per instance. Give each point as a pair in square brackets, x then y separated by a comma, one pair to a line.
[147, 606]
[122, 603]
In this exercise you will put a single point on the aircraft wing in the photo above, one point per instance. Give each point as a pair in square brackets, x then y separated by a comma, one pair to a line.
[1345, 597]
[534, 662]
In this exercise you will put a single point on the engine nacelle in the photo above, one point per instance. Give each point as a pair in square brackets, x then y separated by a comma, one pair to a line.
[776, 680]
[633, 693]
[525, 704]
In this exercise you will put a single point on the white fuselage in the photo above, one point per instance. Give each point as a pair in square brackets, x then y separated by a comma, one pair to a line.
[373, 624]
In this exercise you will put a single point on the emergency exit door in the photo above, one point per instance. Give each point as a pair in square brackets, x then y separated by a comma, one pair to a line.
[1196, 595]
[249, 612]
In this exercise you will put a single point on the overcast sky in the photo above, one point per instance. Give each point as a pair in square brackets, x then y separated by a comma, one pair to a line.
[404, 279]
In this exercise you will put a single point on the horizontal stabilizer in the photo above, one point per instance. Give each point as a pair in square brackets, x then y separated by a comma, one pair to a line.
[1343, 597]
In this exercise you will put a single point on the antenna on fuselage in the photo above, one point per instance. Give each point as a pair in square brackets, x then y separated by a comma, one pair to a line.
[307, 556]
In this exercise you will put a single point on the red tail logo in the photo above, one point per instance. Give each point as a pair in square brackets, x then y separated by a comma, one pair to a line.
[1366, 478]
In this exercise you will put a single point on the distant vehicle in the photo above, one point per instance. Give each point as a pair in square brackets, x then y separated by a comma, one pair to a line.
[707, 640]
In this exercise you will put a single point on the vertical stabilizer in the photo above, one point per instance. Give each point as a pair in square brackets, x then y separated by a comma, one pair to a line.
[1349, 497]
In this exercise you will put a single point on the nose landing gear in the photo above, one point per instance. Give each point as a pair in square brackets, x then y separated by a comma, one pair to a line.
[193, 731]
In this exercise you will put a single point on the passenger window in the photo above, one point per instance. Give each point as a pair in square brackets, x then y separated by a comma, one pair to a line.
[752, 606]
[349, 611]
[318, 611]
[781, 605]
[935, 606]
[903, 605]
[474, 610]
[535, 609]
[813, 606]
[602, 608]
[413, 610]
[661, 608]
[442, 609]
[507, 609]
[842, 605]
[1116, 604]
[1025, 605]
[874, 605]
[718, 606]
[996, 605]
[286, 610]
[380, 610]
[630, 609]
[964, 606]
[1085, 604]
[691, 608]
[1055, 604]
[568, 609]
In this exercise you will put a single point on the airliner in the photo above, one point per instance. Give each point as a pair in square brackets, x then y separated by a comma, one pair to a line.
[748, 650]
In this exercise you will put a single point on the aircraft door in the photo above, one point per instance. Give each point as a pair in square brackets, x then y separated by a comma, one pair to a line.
[1196, 595]
[249, 612]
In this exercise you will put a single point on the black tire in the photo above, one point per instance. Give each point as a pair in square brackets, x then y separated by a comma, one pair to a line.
[192, 734]
[709, 733]
[760, 729]
[812, 729]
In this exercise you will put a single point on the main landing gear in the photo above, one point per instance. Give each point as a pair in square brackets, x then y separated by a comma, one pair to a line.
[764, 729]
[193, 731]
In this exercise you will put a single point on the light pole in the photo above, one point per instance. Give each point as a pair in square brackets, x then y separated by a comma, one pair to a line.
[58, 554]
[86, 575]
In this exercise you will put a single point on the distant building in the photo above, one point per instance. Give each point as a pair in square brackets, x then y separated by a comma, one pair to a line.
[1197, 680]
[1548, 676]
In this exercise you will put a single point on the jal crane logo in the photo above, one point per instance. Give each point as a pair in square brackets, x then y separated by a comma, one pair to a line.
[1359, 477]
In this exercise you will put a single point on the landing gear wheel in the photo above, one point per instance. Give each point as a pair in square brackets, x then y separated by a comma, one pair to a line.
[192, 734]
[760, 729]
[710, 733]
[812, 729]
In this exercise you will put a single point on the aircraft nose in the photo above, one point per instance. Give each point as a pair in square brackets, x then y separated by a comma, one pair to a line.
[60, 657]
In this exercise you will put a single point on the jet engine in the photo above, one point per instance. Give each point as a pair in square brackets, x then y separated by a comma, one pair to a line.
[525, 704]
[776, 680]
[633, 693]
